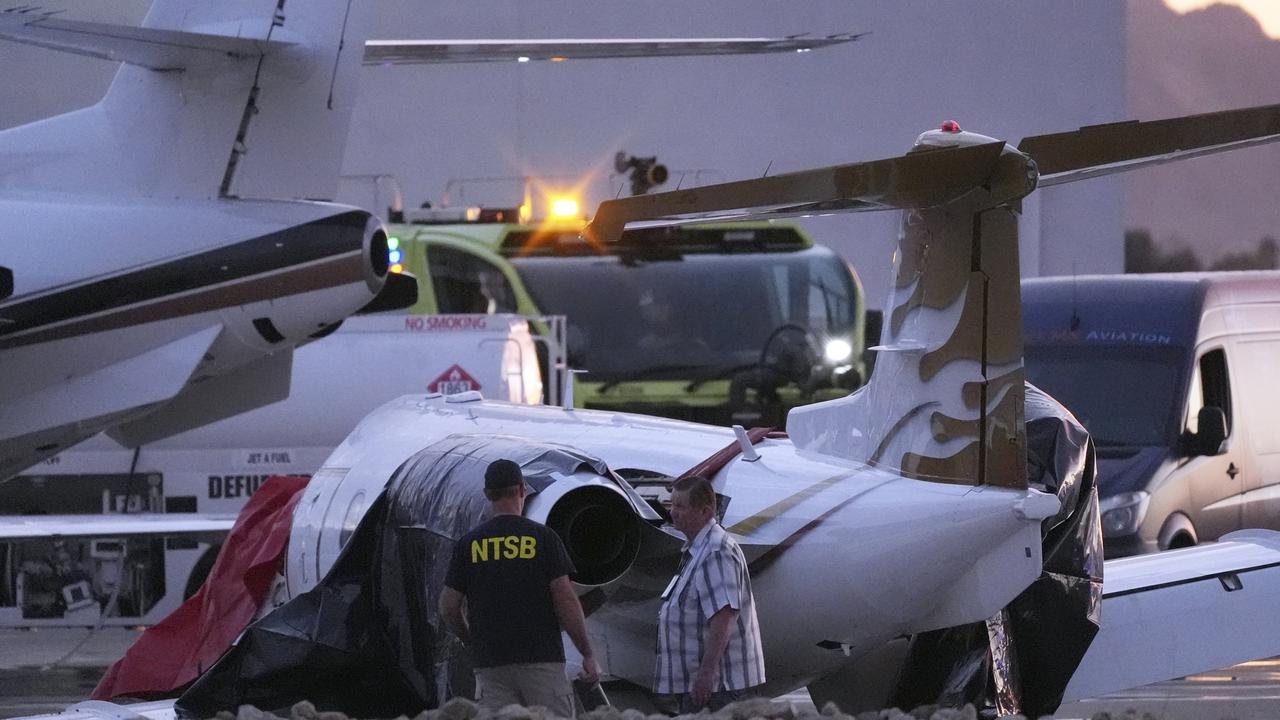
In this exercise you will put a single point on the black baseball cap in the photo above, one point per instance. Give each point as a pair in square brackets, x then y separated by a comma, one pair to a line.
[502, 474]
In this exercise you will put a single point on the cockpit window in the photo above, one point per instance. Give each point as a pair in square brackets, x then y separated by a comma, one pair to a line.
[464, 283]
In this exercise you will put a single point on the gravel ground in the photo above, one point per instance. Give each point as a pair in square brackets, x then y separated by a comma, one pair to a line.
[39, 673]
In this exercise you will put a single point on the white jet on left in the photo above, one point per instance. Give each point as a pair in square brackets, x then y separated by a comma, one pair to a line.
[159, 262]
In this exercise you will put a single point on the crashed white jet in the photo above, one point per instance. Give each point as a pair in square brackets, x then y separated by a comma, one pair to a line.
[897, 533]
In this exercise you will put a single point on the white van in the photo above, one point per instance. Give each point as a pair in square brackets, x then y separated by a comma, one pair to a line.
[1175, 377]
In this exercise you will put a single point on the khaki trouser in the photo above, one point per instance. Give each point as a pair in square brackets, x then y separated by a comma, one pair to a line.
[525, 684]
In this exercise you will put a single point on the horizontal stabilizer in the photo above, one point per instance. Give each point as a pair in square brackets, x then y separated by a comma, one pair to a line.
[196, 526]
[1180, 612]
[259, 383]
[1104, 149]
[412, 52]
[917, 180]
[152, 48]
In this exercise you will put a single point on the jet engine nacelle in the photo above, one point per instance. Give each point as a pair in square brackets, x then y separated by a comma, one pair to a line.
[597, 522]
[325, 271]
[294, 319]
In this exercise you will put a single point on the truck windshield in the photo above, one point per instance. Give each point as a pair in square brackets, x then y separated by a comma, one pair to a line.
[698, 316]
[1124, 395]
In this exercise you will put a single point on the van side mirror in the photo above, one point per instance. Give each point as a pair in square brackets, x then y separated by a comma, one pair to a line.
[1212, 422]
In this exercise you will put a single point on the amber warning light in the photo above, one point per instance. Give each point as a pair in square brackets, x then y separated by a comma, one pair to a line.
[564, 208]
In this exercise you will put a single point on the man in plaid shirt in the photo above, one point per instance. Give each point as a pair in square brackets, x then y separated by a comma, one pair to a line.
[708, 637]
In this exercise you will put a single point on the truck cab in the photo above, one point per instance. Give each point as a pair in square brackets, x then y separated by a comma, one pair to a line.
[722, 324]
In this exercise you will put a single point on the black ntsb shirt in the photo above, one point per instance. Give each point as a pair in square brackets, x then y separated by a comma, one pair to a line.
[504, 568]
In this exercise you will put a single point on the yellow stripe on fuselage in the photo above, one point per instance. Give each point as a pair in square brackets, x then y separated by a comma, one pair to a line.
[755, 522]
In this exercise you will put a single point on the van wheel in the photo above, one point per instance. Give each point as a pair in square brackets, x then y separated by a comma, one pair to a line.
[1181, 540]
[200, 572]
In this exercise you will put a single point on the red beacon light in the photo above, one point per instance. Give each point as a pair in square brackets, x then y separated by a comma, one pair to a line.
[951, 126]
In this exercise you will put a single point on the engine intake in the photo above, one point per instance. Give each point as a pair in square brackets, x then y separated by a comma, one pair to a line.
[600, 530]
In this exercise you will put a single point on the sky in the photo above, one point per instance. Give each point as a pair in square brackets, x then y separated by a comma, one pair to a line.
[1267, 12]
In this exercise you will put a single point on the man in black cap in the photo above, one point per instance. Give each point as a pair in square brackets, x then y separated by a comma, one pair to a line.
[513, 574]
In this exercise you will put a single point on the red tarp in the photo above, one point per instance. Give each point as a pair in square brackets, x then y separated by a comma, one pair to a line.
[714, 464]
[179, 648]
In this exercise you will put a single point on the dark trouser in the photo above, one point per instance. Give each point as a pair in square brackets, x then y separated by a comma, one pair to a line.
[718, 700]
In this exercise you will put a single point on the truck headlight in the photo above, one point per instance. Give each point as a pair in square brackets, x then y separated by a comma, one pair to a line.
[838, 350]
[1123, 513]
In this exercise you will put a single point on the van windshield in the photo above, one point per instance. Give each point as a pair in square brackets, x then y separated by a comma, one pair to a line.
[696, 316]
[1124, 395]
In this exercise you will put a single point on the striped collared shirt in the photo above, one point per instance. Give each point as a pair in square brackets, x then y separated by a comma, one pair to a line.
[715, 577]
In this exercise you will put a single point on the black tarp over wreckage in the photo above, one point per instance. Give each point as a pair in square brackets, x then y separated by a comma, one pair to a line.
[367, 640]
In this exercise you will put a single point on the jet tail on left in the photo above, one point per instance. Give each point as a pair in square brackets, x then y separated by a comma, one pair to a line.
[177, 205]
[228, 99]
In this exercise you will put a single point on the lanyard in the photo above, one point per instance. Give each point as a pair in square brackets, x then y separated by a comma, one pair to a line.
[681, 578]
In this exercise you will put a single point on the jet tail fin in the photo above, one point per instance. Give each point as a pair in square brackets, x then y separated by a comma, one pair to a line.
[242, 98]
[945, 402]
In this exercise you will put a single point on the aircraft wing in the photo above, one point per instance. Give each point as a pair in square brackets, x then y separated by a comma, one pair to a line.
[42, 416]
[209, 526]
[153, 48]
[261, 382]
[1181, 612]
[411, 52]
